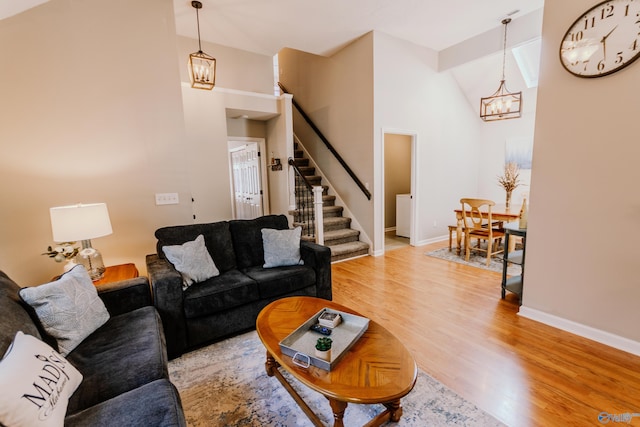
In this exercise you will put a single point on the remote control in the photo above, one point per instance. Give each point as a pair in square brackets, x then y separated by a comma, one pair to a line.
[321, 329]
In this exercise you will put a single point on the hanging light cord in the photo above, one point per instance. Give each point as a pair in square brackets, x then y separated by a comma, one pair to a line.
[504, 45]
[198, 21]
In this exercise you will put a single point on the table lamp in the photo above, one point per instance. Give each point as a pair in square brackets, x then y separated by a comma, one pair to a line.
[82, 223]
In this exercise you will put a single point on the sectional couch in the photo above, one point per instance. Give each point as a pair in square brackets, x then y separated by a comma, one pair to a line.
[123, 364]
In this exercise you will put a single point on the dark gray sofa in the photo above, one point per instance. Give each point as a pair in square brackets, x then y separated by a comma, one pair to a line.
[229, 303]
[123, 363]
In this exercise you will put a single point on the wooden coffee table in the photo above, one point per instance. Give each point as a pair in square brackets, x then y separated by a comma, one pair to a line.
[377, 369]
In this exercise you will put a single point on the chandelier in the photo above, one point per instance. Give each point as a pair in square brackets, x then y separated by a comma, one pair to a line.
[202, 67]
[502, 104]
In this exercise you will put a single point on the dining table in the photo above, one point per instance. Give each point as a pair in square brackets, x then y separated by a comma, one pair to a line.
[498, 213]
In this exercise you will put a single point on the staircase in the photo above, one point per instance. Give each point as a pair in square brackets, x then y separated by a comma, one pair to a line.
[338, 235]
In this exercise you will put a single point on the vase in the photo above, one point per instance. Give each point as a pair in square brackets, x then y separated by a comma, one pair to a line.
[69, 265]
[508, 204]
[323, 354]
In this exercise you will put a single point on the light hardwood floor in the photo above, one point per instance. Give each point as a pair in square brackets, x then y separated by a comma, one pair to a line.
[460, 332]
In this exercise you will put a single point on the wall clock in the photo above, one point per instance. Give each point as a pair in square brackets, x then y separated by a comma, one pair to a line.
[603, 40]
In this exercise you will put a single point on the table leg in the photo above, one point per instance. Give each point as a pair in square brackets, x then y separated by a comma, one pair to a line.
[338, 409]
[459, 235]
[395, 410]
[270, 365]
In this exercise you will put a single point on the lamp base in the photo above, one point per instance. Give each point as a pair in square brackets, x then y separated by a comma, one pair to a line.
[92, 261]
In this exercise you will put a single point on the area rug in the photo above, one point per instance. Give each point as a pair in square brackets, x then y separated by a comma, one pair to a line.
[225, 384]
[476, 259]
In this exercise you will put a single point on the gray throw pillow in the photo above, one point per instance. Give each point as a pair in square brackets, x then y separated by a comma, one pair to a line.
[281, 247]
[192, 260]
[69, 308]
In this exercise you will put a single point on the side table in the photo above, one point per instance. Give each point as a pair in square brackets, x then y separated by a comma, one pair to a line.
[116, 273]
[515, 283]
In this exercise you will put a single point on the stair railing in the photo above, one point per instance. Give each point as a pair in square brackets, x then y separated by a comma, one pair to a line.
[326, 142]
[308, 205]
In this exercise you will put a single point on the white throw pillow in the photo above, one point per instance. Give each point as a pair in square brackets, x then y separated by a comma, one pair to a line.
[69, 308]
[192, 260]
[35, 384]
[281, 247]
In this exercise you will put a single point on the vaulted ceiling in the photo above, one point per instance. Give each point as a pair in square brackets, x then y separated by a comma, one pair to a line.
[324, 27]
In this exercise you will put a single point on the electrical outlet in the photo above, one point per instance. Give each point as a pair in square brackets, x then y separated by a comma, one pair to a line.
[435, 224]
[167, 199]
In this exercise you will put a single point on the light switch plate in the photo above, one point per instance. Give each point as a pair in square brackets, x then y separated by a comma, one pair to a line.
[167, 199]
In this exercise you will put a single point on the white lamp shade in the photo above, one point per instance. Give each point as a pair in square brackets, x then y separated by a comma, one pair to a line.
[80, 222]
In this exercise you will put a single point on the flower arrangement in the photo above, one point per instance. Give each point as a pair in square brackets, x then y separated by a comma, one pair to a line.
[64, 251]
[510, 179]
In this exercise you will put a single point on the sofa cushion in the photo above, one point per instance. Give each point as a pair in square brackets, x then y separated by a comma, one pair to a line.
[69, 308]
[125, 353]
[192, 260]
[247, 238]
[230, 289]
[281, 247]
[13, 314]
[217, 238]
[35, 384]
[154, 404]
[273, 282]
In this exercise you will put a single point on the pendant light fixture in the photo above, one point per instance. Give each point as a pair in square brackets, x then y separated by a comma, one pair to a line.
[202, 67]
[502, 104]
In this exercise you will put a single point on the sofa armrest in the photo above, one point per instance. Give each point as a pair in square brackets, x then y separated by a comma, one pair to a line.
[125, 295]
[166, 289]
[318, 257]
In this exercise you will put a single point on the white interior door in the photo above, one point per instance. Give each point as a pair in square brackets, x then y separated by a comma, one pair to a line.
[247, 182]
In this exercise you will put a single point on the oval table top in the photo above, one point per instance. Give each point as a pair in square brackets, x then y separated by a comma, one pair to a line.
[376, 369]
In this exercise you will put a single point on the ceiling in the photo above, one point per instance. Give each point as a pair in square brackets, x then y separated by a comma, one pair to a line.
[324, 27]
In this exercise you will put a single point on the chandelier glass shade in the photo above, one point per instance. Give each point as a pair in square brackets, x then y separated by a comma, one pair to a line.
[502, 104]
[202, 67]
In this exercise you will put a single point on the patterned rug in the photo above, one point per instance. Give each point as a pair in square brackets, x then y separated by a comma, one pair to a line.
[476, 259]
[225, 384]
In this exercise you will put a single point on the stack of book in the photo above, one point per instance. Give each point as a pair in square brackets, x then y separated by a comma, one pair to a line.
[329, 319]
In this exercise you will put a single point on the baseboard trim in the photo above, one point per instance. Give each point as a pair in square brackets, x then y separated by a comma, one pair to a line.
[603, 337]
[432, 240]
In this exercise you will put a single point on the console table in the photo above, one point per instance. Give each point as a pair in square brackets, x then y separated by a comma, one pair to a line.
[513, 283]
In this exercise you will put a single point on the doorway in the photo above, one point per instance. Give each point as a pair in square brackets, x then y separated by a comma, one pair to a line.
[248, 178]
[398, 149]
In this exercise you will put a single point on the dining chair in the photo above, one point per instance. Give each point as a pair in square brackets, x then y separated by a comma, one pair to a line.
[478, 224]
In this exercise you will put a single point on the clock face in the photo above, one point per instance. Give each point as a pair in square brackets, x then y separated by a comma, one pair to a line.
[603, 40]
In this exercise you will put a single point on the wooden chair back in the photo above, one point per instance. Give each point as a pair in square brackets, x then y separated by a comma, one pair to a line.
[476, 213]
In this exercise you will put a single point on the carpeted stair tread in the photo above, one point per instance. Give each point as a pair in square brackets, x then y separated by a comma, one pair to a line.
[332, 211]
[328, 200]
[336, 223]
[307, 170]
[344, 235]
[327, 212]
[348, 250]
[338, 235]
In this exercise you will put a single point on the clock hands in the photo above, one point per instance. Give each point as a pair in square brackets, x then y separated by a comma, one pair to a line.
[604, 42]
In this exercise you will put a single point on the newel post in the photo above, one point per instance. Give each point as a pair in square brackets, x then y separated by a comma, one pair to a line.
[317, 208]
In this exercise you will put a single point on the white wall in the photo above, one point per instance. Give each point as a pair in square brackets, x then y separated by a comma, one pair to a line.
[493, 138]
[337, 93]
[410, 95]
[582, 242]
[87, 118]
